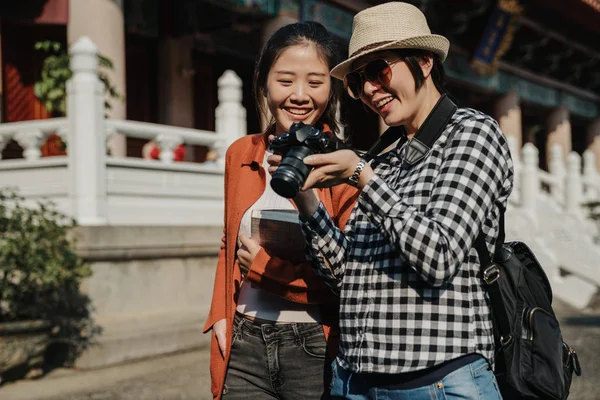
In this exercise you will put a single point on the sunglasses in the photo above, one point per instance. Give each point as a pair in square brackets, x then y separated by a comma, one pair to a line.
[378, 72]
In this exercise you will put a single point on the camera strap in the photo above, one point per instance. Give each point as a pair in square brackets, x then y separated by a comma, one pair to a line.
[388, 137]
[421, 143]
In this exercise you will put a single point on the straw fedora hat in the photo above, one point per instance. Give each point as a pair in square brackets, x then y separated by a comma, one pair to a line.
[393, 25]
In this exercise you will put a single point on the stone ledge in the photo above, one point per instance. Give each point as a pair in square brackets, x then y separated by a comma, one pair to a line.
[111, 243]
[124, 340]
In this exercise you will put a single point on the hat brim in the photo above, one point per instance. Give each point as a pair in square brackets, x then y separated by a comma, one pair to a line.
[435, 43]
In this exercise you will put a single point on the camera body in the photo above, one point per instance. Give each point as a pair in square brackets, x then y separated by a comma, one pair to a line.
[294, 145]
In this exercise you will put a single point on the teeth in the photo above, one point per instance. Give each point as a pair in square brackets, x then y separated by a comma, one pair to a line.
[383, 102]
[298, 111]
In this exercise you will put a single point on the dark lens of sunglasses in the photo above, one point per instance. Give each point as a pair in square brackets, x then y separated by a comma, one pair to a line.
[353, 83]
[378, 72]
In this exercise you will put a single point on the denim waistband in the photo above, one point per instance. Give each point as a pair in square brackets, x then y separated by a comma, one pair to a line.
[291, 330]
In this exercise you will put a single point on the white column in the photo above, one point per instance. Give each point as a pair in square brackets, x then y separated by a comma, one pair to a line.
[530, 182]
[556, 166]
[230, 115]
[103, 22]
[590, 176]
[574, 184]
[86, 146]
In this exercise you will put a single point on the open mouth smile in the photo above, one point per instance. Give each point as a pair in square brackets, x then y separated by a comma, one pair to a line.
[383, 102]
[298, 111]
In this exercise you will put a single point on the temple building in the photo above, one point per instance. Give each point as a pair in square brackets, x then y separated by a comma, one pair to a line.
[532, 64]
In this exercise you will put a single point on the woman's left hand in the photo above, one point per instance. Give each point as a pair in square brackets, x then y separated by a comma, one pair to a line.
[247, 253]
[331, 169]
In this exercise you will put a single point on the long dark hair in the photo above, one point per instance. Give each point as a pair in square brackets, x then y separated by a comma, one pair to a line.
[292, 35]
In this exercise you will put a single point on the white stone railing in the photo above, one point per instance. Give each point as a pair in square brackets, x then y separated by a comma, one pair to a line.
[97, 188]
[30, 135]
[546, 211]
[166, 138]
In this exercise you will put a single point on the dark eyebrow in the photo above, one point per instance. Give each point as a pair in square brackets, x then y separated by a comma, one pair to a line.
[293, 73]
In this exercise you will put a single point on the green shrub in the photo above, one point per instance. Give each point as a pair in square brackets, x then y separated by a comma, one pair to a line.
[40, 272]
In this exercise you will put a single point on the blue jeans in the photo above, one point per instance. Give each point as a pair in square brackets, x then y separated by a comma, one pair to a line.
[277, 361]
[474, 381]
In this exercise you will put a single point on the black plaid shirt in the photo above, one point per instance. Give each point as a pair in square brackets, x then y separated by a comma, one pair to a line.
[405, 266]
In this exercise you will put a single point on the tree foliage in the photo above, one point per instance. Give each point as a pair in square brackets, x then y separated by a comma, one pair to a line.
[51, 88]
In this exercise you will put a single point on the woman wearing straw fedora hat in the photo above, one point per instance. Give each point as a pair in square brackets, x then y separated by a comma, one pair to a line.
[414, 319]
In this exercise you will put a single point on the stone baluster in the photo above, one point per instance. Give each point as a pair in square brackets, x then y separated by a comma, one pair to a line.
[530, 181]
[557, 169]
[4, 139]
[63, 134]
[87, 135]
[30, 140]
[574, 195]
[590, 175]
[167, 144]
[230, 115]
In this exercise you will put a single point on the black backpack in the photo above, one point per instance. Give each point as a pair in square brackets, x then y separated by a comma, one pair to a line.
[532, 359]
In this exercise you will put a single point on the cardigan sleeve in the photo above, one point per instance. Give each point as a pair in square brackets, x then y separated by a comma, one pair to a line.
[217, 306]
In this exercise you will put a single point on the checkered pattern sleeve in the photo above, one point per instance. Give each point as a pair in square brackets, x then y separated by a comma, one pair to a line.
[467, 182]
[326, 247]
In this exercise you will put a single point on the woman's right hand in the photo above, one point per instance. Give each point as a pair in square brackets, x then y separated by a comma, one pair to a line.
[274, 160]
[219, 328]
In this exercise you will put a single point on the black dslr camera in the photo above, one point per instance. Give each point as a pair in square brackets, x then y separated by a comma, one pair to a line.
[300, 141]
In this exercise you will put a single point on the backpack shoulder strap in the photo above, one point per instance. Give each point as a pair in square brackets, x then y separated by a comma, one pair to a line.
[490, 273]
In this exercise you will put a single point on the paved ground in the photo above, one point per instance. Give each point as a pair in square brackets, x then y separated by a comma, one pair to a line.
[185, 376]
[176, 377]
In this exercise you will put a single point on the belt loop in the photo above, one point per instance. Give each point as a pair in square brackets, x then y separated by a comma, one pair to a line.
[241, 320]
[297, 334]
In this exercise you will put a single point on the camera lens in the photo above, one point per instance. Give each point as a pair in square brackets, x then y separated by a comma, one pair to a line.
[292, 172]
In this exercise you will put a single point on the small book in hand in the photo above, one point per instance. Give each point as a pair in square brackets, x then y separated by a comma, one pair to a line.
[279, 233]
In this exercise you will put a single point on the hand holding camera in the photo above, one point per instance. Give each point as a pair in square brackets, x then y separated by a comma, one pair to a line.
[299, 142]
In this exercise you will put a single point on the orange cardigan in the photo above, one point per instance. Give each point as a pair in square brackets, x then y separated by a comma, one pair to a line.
[245, 182]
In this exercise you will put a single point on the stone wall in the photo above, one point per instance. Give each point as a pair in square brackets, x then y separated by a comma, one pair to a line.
[150, 290]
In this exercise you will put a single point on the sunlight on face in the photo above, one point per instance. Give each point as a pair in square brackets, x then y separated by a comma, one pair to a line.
[298, 87]
[397, 103]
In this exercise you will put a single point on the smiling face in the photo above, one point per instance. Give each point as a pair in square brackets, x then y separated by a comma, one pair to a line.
[298, 87]
[398, 103]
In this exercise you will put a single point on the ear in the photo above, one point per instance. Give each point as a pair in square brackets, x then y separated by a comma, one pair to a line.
[426, 64]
